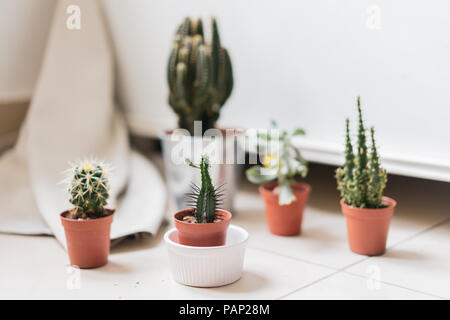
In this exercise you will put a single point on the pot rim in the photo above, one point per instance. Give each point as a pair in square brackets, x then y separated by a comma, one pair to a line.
[85, 221]
[165, 133]
[266, 188]
[225, 246]
[227, 218]
[368, 213]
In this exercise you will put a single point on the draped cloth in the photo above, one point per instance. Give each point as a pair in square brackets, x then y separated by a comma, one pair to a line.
[72, 115]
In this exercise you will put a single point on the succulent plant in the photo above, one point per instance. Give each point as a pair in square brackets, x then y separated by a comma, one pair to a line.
[199, 75]
[205, 199]
[361, 180]
[284, 164]
[88, 189]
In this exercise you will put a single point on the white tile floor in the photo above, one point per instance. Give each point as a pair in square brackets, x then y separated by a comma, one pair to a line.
[314, 265]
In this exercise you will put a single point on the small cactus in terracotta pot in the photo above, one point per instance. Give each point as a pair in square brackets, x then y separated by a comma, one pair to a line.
[204, 224]
[361, 182]
[87, 224]
[285, 197]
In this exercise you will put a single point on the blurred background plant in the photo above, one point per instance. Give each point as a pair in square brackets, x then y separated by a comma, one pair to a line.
[361, 180]
[282, 162]
[199, 75]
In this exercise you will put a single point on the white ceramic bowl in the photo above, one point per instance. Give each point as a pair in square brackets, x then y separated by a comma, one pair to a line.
[207, 266]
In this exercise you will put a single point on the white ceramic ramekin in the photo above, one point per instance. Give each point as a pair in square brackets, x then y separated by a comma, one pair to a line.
[207, 266]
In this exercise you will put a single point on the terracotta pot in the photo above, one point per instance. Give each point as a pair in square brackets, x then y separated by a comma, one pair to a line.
[202, 234]
[367, 229]
[285, 220]
[88, 241]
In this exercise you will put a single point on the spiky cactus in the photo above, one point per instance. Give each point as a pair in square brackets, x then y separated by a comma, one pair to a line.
[88, 189]
[206, 198]
[199, 75]
[361, 180]
[377, 177]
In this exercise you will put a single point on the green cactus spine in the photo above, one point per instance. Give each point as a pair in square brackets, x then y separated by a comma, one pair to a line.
[199, 75]
[361, 180]
[88, 189]
[206, 198]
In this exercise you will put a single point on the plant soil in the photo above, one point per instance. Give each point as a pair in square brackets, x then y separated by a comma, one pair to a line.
[71, 214]
[192, 219]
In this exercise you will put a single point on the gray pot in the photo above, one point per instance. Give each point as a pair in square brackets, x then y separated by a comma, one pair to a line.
[223, 153]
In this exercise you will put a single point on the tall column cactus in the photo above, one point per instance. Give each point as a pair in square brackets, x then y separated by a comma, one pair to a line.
[377, 177]
[206, 198]
[88, 189]
[361, 180]
[360, 174]
[199, 75]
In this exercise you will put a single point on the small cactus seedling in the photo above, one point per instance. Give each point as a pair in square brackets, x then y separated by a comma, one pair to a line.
[284, 164]
[361, 180]
[199, 75]
[88, 189]
[206, 198]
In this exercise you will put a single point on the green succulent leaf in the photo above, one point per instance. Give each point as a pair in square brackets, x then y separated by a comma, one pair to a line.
[260, 175]
[284, 164]
[298, 132]
[286, 196]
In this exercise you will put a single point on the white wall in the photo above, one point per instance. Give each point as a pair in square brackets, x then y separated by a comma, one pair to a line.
[300, 62]
[23, 33]
[303, 63]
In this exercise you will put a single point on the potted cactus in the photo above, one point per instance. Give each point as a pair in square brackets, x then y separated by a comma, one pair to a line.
[87, 224]
[203, 224]
[285, 198]
[361, 182]
[200, 80]
[199, 76]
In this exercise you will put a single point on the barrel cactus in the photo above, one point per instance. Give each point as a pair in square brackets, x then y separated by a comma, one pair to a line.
[88, 189]
[199, 75]
[361, 180]
[204, 199]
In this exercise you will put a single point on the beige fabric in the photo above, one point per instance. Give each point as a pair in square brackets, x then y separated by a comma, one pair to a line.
[72, 115]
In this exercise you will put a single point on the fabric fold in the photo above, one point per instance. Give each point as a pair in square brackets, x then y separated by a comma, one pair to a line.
[72, 115]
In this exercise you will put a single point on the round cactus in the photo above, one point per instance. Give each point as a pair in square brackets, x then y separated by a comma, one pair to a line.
[88, 189]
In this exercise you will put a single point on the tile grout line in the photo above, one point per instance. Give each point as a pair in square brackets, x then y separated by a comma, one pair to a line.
[398, 286]
[293, 258]
[368, 257]
[323, 278]
[436, 225]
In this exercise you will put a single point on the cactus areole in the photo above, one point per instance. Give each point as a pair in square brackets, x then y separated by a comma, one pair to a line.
[199, 75]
